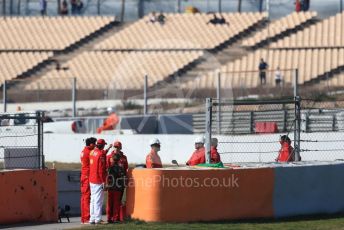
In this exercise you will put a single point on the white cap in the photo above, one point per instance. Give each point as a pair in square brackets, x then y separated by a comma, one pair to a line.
[199, 140]
[154, 141]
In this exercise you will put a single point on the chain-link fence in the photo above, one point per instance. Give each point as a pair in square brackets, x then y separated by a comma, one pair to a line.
[250, 131]
[21, 138]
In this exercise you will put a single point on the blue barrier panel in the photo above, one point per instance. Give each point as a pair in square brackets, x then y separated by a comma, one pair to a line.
[306, 190]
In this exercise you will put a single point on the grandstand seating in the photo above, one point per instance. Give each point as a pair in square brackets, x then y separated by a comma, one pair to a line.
[327, 33]
[276, 28]
[335, 81]
[311, 63]
[47, 33]
[13, 64]
[181, 31]
[116, 70]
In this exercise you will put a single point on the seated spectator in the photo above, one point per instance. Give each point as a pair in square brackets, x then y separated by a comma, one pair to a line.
[216, 20]
[64, 9]
[153, 18]
[161, 18]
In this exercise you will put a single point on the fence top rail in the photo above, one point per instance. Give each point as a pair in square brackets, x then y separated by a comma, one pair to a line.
[267, 102]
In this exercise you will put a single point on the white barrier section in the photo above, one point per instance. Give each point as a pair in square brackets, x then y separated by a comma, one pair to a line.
[67, 147]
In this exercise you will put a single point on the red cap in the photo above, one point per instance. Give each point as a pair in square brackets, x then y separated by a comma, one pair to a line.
[117, 144]
[101, 142]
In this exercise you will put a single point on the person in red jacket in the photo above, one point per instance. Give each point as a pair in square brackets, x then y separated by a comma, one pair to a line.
[198, 156]
[114, 197]
[97, 181]
[84, 179]
[153, 159]
[286, 153]
[214, 155]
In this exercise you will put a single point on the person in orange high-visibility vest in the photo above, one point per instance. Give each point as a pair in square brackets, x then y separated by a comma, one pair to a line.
[153, 159]
[286, 153]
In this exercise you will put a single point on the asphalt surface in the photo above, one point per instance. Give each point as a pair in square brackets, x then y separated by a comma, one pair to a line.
[74, 223]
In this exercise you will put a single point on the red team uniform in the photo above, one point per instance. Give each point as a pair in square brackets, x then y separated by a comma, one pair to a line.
[85, 184]
[114, 199]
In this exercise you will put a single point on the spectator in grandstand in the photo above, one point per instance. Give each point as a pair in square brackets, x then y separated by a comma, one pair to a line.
[198, 156]
[262, 71]
[161, 18]
[64, 8]
[305, 5]
[215, 20]
[214, 155]
[153, 17]
[298, 5]
[79, 6]
[74, 6]
[153, 159]
[43, 7]
[278, 76]
[286, 153]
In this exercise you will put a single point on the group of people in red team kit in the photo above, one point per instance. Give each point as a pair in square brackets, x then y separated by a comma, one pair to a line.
[102, 169]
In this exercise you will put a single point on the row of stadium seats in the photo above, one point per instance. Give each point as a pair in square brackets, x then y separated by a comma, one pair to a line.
[311, 63]
[181, 31]
[47, 33]
[115, 70]
[13, 64]
[327, 33]
[275, 28]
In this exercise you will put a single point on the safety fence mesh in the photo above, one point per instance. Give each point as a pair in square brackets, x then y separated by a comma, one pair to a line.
[21, 138]
[250, 131]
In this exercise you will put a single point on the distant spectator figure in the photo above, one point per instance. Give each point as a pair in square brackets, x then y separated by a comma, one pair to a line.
[278, 76]
[217, 21]
[260, 6]
[43, 7]
[286, 153]
[298, 6]
[161, 18]
[64, 9]
[262, 71]
[79, 6]
[153, 18]
[74, 6]
[305, 5]
[110, 122]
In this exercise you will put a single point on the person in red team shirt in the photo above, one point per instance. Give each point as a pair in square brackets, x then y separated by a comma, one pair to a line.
[84, 179]
[286, 153]
[97, 181]
[114, 197]
[214, 154]
[198, 156]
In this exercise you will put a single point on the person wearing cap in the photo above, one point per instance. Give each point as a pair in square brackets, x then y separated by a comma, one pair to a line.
[286, 153]
[198, 156]
[84, 179]
[97, 180]
[153, 159]
[114, 196]
[214, 155]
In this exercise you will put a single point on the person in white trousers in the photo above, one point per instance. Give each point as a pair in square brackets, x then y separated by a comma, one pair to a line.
[97, 181]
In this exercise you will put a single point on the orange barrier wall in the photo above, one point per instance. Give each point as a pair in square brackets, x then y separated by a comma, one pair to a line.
[28, 195]
[155, 194]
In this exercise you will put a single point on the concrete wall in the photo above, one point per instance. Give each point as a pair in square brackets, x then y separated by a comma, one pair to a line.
[28, 196]
[67, 148]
